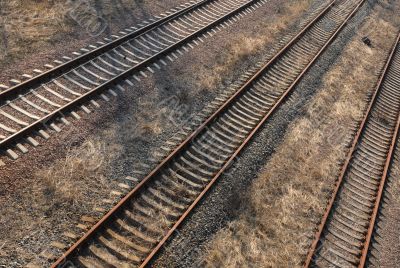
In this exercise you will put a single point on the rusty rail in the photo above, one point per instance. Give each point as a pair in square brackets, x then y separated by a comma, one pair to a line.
[39, 123]
[383, 180]
[346, 164]
[136, 191]
[63, 68]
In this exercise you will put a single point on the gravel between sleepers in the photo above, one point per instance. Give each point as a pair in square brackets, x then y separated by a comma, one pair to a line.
[123, 134]
[221, 204]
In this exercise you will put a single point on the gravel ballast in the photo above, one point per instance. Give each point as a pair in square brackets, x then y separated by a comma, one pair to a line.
[46, 192]
[222, 204]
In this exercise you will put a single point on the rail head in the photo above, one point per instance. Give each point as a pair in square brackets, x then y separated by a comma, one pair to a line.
[353, 147]
[247, 140]
[62, 68]
[109, 84]
[382, 184]
[183, 145]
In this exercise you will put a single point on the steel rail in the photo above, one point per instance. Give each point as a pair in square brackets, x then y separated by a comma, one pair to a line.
[108, 217]
[381, 185]
[346, 165]
[109, 84]
[63, 68]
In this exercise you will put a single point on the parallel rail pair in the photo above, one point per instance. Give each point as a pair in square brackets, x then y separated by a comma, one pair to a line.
[344, 235]
[41, 102]
[133, 232]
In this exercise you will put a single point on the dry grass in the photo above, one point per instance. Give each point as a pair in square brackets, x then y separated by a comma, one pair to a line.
[25, 24]
[276, 224]
[28, 26]
[65, 179]
[55, 200]
[71, 179]
[244, 46]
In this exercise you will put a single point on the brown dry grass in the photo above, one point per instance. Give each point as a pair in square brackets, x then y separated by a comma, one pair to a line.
[244, 46]
[277, 222]
[65, 178]
[58, 196]
[28, 26]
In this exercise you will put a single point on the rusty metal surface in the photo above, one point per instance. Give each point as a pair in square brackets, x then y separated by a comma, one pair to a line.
[62, 68]
[136, 191]
[384, 176]
[346, 165]
[63, 109]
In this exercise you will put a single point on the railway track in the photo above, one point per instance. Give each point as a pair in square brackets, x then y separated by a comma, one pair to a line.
[32, 108]
[345, 232]
[133, 231]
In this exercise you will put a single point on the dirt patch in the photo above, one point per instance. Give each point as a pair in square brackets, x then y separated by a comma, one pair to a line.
[65, 192]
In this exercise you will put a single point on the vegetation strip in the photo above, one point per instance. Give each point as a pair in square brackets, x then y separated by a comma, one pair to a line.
[346, 228]
[36, 108]
[73, 63]
[162, 198]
